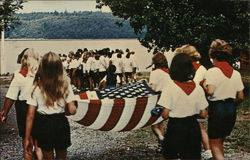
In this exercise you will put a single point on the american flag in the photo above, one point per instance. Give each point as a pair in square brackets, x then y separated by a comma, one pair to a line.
[119, 109]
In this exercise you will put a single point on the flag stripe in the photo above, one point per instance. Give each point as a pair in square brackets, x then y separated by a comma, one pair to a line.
[92, 113]
[104, 114]
[152, 120]
[126, 114]
[115, 115]
[137, 114]
[147, 113]
[81, 110]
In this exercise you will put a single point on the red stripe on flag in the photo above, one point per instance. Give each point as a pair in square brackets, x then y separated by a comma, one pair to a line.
[151, 121]
[115, 115]
[140, 106]
[92, 113]
[83, 95]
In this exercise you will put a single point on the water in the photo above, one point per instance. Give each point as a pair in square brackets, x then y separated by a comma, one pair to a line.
[14, 47]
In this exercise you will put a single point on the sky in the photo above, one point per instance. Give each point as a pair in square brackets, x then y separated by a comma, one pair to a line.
[60, 6]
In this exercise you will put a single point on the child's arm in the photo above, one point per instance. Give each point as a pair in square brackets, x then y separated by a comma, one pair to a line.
[239, 97]
[29, 124]
[165, 113]
[203, 113]
[6, 108]
[70, 108]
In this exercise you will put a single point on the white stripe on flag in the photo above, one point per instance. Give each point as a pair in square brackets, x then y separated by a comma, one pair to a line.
[160, 119]
[127, 113]
[105, 111]
[152, 100]
[83, 106]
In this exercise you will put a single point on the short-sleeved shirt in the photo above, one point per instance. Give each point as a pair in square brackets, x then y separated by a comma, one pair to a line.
[19, 87]
[128, 64]
[159, 78]
[200, 74]
[180, 104]
[224, 87]
[36, 99]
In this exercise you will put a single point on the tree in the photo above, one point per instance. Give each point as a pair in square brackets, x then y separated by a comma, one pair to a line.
[178, 22]
[7, 13]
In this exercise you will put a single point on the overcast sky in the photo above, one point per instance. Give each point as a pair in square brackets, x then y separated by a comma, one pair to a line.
[60, 6]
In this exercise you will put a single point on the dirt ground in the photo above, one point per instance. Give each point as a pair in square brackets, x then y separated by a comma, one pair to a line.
[89, 144]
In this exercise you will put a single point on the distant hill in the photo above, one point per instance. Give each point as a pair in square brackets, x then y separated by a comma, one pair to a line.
[76, 25]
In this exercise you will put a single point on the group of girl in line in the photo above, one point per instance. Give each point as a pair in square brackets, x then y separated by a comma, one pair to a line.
[88, 68]
[43, 96]
[187, 91]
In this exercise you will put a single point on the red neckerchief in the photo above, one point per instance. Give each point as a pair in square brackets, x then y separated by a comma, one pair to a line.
[187, 87]
[24, 71]
[196, 65]
[225, 67]
[164, 69]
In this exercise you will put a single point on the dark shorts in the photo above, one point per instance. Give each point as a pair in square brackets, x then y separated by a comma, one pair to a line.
[182, 139]
[221, 118]
[52, 131]
[21, 114]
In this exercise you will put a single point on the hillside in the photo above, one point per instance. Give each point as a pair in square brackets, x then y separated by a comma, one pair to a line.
[77, 25]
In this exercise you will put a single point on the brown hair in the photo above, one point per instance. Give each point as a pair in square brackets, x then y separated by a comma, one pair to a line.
[159, 60]
[52, 79]
[219, 45]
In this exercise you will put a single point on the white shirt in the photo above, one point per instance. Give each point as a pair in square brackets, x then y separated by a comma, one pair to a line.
[200, 74]
[103, 65]
[38, 101]
[85, 67]
[158, 78]
[180, 104]
[128, 65]
[119, 65]
[19, 87]
[224, 87]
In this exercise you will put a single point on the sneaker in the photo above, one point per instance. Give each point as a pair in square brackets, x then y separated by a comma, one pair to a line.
[159, 147]
[207, 155]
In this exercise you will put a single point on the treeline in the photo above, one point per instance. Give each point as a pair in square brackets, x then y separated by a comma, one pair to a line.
[76, 25]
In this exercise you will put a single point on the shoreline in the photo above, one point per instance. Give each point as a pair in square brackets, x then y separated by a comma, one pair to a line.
[42, 39]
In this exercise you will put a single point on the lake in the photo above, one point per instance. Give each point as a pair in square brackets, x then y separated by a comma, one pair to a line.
[14, 47]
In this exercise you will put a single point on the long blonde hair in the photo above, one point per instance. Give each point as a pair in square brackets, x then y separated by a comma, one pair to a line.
[52, 80]
[189, 50]
[30, 59]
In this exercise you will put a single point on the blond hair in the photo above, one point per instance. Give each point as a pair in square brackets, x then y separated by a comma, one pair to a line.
[52, 80]
[220, 45]
[189, 50]
[30, 59]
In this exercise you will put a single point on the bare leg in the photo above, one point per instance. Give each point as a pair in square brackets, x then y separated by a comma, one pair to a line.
[38, 150]
[204, 136]
[217, 148]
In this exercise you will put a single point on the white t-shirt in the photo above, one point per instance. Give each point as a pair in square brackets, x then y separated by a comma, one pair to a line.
[224, 87]
[119, 65]
[128, 65]
[38, 101]
[180, 104]
[200, 74]
[103, 64]
[158, 78]
[19, 87]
